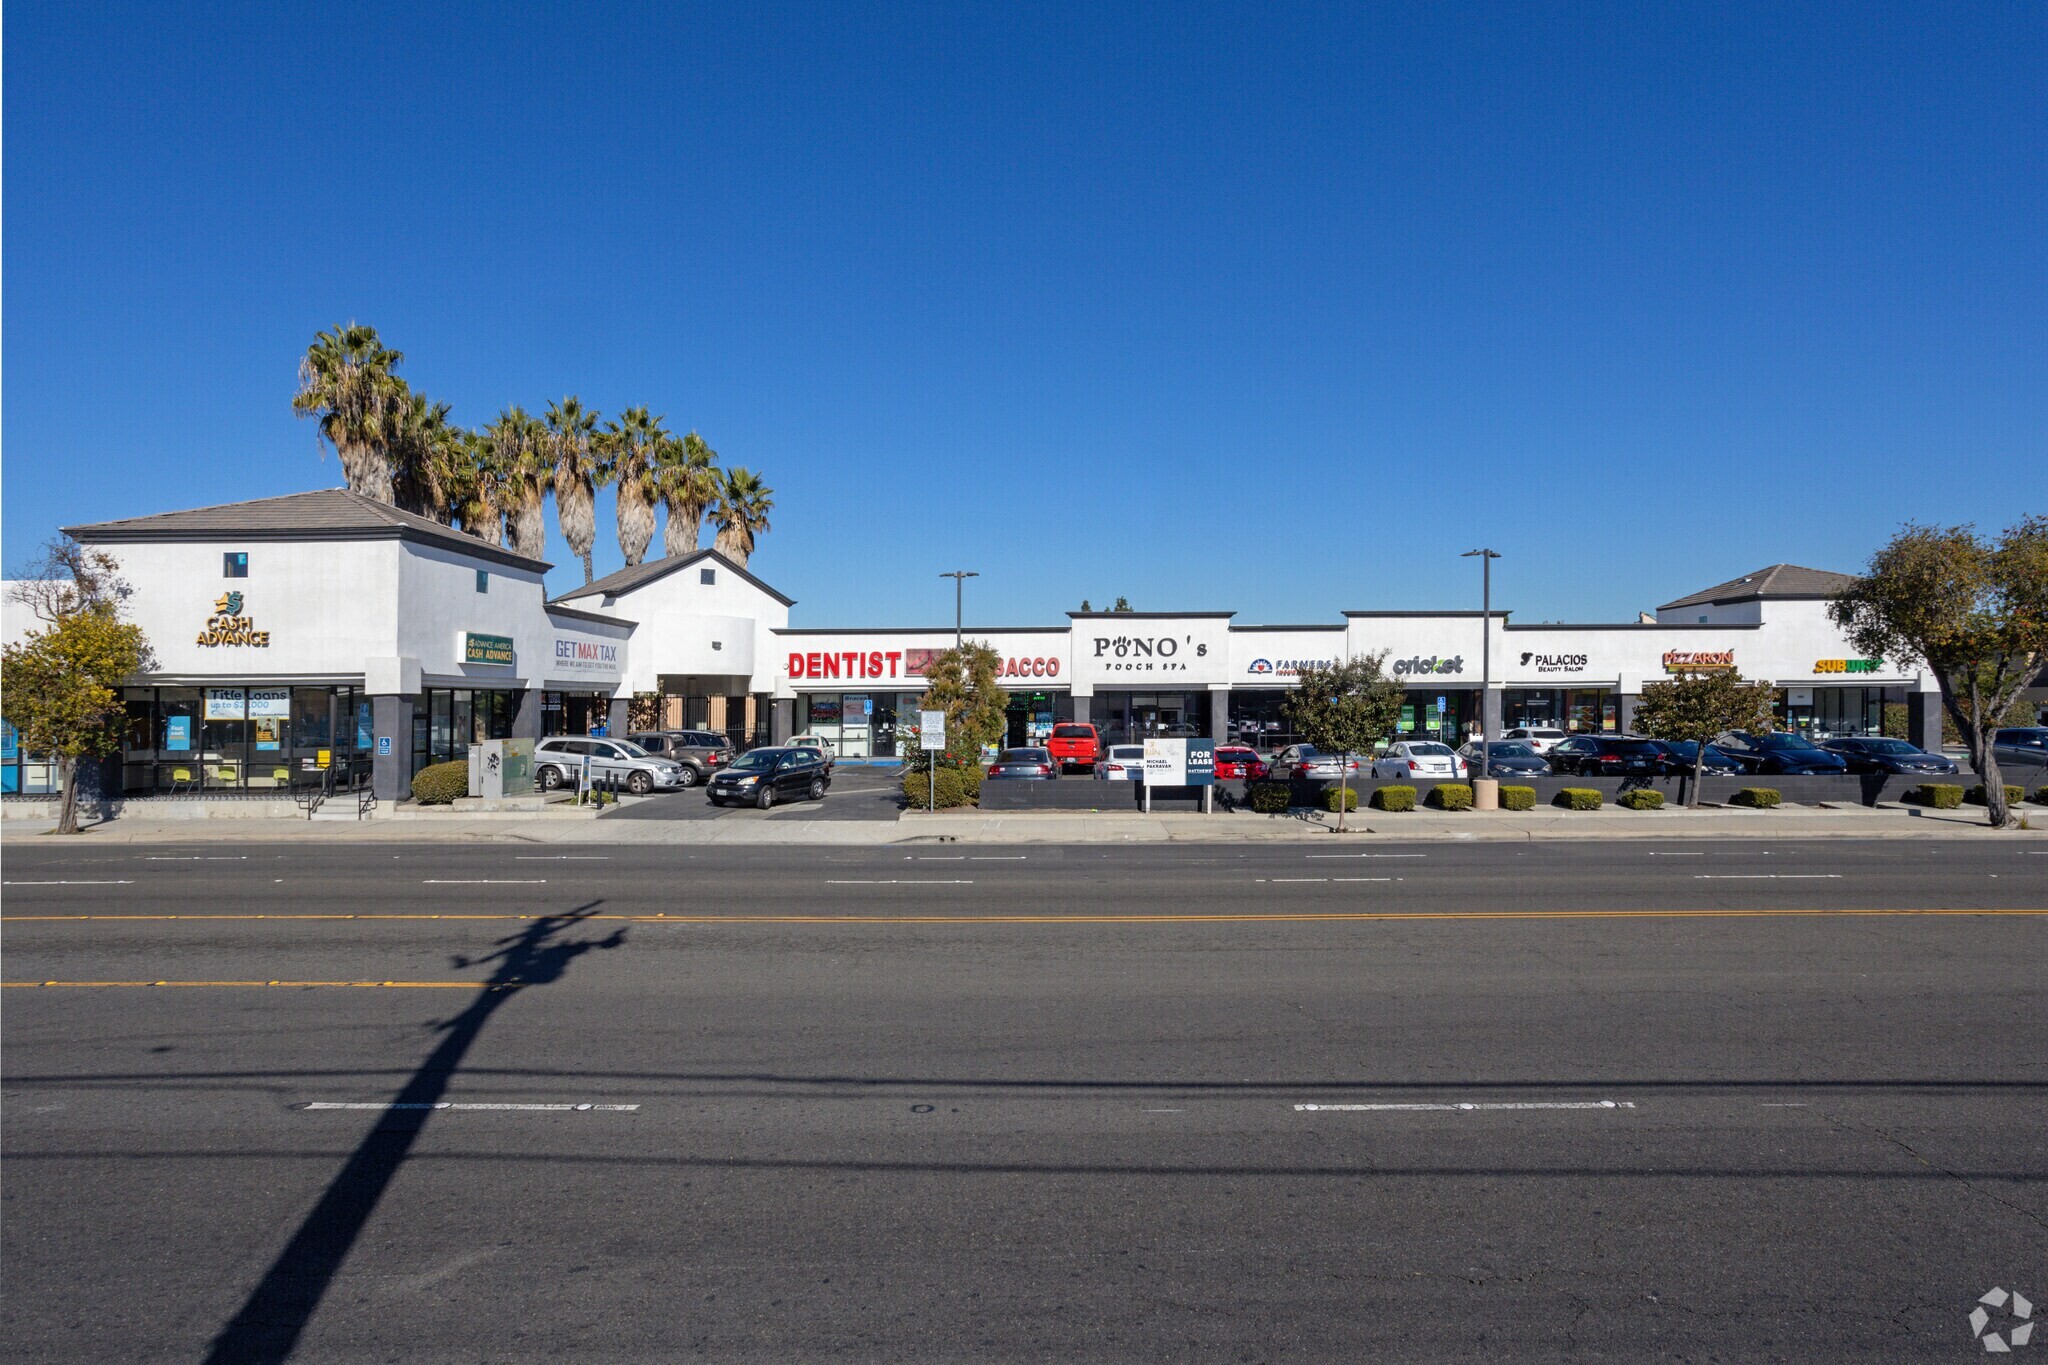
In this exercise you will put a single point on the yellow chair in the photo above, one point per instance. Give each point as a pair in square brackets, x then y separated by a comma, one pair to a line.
[227, 774]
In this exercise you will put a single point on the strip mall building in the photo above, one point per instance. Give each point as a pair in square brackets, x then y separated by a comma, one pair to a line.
[328, 623]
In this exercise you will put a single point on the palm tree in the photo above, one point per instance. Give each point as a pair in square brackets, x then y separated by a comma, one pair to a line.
[346, 381]
[631, 442]
[580, 468]
[479, 486]
[741, 513]
[687, 479]
[425, 455]
[518, 452]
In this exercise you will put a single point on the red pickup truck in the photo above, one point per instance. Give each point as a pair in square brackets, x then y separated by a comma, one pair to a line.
[1075, 744]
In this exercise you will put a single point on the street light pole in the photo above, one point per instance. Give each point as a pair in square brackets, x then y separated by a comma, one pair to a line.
[959, 577]
[1486, 558]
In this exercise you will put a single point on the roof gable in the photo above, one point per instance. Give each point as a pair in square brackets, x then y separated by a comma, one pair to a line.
[637, 576]
[1777, 581]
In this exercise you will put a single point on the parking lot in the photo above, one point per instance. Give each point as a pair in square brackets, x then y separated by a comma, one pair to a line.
[857, 793]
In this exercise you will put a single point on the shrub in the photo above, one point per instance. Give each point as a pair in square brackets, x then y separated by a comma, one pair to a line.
[918, 789]
[1393, 798]
[1940, 795]
[1641, 799]
[1271, 798]
[2040, 797]
[441, 783]
[1349, 794]
[1451, 796]
[1518, 798]
[1579, 798]
[1975, 795]
[1758, 798]
[970, 784]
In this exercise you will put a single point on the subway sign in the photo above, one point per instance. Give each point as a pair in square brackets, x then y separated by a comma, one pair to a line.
[1848, 665]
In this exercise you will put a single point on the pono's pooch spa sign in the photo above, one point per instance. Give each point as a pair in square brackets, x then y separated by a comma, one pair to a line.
[581, 656]
[228, 626]
[1145, 653]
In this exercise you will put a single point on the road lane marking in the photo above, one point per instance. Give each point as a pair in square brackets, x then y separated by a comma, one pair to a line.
[484, 881]
[1366, 855]
[103, 883]
[224, 985]
[1467, 1106]
[196, 858]
[1678, 855]
[561, 857]
[1767, 876]
[999, 858]
[460, 1107]
[1287, 917]
[897, 882]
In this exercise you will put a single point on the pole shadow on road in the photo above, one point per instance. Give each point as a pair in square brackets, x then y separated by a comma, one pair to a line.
[267, 1327]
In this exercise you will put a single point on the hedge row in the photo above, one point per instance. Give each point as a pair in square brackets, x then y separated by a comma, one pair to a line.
[440, 783]
[1759, 798]
[1641, 799]
[1579, 798]
[951, 787]
[1975, 795]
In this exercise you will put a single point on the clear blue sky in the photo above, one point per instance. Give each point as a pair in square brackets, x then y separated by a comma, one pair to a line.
[1253, 307]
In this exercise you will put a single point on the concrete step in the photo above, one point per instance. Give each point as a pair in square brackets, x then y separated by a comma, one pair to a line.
[332, 812]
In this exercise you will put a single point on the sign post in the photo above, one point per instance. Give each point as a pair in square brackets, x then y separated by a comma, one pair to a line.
[931, 737]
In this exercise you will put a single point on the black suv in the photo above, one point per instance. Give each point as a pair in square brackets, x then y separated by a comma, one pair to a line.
[1780, 752]
[1871, 754]
[699, 753]
[1606, 756]
[764, 776]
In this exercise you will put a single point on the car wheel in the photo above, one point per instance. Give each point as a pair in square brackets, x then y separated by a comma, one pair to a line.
[550, 778]
[765, 798]
[639, 784]
[689, 777]
[817, 789]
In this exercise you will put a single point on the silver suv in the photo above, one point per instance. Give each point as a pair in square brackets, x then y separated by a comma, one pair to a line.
[557, 761]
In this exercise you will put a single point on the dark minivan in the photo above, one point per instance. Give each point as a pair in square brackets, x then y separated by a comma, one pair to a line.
[761, 777]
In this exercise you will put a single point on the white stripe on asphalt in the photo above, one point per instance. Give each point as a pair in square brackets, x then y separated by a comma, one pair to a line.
[118, 883]
[1678, 855]
[1767, 876]
[999, 858]
[196, 858]
[1280, 880]
[898, 882]
[485, 881]
[562, 858]
[1367, 855]
[500, 1108]
[1454, 1108]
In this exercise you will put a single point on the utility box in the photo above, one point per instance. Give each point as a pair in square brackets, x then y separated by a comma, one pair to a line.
[499, 768]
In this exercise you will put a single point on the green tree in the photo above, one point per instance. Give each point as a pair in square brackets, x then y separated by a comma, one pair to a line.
[964, 684]
[426, 455]
[1976, 611]
[520, 455]
[687, 480]
[1085, 606]
[346, 380]
[1692, 708]
[1122, 604]
[1345, 709]
[741, 513]
[630, 445]
[580, 469]
[479, 487]
[62, 682]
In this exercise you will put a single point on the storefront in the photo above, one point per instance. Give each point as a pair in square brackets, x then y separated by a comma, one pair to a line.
[1827, 712]
[240, 737]
[1580, 710]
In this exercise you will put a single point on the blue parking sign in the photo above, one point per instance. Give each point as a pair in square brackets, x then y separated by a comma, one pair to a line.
[383, 746]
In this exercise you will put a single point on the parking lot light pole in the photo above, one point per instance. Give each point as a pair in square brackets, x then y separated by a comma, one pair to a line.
[1486, 558]
[959, 577]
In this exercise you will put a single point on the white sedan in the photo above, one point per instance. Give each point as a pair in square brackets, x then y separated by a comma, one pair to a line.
[1419, 758]
[1123, 763]
[1537, 737]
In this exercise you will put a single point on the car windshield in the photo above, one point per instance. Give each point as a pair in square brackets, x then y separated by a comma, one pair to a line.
[1632, 746]
[762, 759]
[1128, 753]
[2031, 738]
[1072, 732]
[1887, 746]
[1782, 744]
[1430, 750]
[1023, 756]
[1509, 751]
[630, 749]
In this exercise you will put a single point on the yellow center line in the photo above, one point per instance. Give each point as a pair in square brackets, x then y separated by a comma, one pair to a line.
[1297, 917]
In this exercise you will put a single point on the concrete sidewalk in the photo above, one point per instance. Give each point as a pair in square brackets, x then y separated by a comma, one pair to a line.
[792, 825]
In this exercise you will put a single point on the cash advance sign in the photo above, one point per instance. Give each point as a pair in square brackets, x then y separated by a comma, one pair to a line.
[228, 626]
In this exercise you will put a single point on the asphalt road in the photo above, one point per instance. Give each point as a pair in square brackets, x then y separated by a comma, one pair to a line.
[858, 792]
[944, 1103]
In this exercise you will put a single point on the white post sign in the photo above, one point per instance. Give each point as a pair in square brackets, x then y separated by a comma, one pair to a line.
[1166, 762]
[931, 729]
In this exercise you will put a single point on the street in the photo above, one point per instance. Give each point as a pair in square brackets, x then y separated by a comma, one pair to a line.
[1743, 1100]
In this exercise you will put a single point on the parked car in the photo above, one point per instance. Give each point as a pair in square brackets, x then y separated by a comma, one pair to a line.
[1537, 737]
[557, 761]
[2025, 746]
[1422, 758]
[1780, 753]
[764, 776]
[698, 752]
[1238, 760]
[1678, 756]
[1028, 765]
[1505, 758]
[821, 747]
[1869, 754]
[1606, 756]
[1304, 761]
[1122, 763]
[1075, 743]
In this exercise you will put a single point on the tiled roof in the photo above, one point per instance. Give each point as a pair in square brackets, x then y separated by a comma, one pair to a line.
[326, 514]
[640, 575]
[1779, 580]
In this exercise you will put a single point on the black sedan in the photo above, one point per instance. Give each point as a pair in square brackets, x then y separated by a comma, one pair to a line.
[1606, 756]
[1780, 752]
[764, 776]
[1024, 765]
[1505, 758]
[1873, 755]
[2022, 746]
[1679, 754]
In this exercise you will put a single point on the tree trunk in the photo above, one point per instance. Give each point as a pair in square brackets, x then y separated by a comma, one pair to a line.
[679, 533]
[67, 800]
[636, 521]
[1699, 769]
[588, 577]
[1343, 787]
[1977, 738]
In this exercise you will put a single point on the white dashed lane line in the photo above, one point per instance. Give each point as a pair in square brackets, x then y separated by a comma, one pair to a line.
[484, 881]
[1468, 1106]
[116, 883]
[1767, 876]
[485, 1108]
